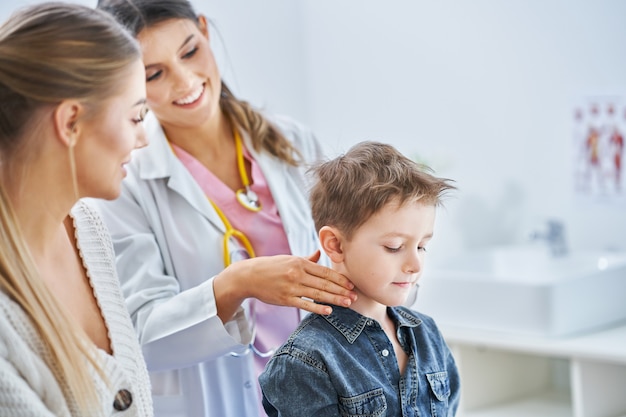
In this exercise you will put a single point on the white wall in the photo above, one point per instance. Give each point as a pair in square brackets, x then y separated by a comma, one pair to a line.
[259, 47]
[482, 91]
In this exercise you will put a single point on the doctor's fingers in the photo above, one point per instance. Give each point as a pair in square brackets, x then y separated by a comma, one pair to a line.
[328, 276]
[298, 282]
[323, 290]
[312, 306]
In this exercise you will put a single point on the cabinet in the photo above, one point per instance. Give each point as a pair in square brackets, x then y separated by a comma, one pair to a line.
[504, 375]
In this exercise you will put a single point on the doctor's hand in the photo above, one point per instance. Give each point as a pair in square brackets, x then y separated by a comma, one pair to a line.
[284, 280]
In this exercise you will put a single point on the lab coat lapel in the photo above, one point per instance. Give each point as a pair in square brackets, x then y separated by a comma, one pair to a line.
[291, 203]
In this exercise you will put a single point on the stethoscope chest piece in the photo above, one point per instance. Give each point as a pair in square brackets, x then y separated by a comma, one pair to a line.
[248, 199]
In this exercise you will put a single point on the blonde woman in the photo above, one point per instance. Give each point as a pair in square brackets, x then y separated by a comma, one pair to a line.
[72, 99]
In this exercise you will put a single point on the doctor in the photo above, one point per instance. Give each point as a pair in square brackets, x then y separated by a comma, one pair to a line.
[219, 182]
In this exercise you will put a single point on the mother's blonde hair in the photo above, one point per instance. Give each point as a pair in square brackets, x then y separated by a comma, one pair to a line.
[51, 52]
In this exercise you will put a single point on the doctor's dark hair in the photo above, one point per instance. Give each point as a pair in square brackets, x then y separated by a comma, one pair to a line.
[51, 52]
[137, 15]
[351, 188]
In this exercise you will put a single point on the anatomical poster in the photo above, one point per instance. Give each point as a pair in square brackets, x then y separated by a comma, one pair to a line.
[598, 149]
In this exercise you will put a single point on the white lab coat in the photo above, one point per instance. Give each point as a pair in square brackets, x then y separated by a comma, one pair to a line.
[168, 243]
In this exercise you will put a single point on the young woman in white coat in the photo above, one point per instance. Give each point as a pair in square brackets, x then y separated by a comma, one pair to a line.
[72, 99]
[219, 182]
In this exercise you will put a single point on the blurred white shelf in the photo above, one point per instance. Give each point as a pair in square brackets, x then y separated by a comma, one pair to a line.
[507, 375]
[604, 345]
[547, 405]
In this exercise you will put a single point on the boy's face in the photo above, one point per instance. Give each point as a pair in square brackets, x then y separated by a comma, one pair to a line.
[385, 256]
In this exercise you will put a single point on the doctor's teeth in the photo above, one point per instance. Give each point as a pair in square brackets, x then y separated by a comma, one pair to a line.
[191, 97]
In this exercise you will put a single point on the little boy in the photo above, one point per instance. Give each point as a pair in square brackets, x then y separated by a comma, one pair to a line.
[375, 211]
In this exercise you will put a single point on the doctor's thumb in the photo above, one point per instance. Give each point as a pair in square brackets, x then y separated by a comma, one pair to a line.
[315, 257]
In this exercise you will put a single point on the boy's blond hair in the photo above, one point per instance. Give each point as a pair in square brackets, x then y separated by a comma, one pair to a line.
[351, 188]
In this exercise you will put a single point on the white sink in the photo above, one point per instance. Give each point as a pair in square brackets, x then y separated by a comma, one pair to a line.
[524, 290]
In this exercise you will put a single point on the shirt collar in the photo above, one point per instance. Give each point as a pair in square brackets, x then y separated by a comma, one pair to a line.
[156, 160]
[351, 324]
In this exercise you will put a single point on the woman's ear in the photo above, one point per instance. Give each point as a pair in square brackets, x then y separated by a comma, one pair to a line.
[331, 239]
[203, 25]
[66, 117]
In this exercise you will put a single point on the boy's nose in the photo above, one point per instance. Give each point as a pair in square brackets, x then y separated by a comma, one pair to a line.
[413, 263]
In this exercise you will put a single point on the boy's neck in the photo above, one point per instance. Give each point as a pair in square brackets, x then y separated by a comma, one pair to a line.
[371, 309]
[378, 312]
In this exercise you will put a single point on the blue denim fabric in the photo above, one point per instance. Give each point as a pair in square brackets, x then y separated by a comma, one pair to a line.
[344, 365]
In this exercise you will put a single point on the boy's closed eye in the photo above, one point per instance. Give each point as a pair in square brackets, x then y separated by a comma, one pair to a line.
[392, 249]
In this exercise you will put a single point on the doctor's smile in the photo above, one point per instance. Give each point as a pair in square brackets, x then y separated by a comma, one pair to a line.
[191, 98]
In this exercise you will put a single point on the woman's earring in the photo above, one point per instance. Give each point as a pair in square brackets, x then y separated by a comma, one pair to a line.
[72, 144]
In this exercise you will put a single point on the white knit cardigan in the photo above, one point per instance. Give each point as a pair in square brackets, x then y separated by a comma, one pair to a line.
[27, 384]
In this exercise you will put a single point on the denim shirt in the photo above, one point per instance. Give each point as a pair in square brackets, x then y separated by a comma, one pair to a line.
[344, 365]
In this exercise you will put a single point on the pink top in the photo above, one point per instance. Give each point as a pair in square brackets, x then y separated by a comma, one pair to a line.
[274, 324]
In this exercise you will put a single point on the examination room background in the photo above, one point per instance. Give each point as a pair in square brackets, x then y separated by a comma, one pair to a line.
[483, 91]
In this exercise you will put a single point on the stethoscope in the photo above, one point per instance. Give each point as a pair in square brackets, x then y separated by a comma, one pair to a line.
[251, 348]
[249, 200]
[245, 196]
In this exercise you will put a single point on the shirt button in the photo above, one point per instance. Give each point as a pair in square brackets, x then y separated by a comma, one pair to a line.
[247, 384]
[369, 322]
[123, 400]
[385, 352]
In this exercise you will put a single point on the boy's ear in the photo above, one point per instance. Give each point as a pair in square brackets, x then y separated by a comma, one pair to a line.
[331, 239]
[66, 117]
